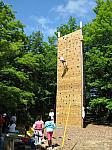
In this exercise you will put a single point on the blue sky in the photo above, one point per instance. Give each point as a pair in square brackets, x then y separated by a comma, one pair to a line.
[46, 15]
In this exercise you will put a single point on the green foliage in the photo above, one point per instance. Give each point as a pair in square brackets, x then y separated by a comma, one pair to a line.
[39, 63]
[67, 28]
[14, 82]
[12, 96]
[12, 37]
[102, 102]
[101, 109]
[15, 74]
[52, 40]
[99, 4]
[31, 60]
[98, 55]
[36, 42]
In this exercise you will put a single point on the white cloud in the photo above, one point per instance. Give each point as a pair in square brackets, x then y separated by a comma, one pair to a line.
[41, 20]
[41, 24]
[75, 7]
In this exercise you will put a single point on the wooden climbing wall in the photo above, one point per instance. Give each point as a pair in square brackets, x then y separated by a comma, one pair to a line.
[70, 80]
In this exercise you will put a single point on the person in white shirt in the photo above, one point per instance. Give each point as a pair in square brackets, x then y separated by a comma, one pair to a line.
[12, 127]
[51, 114]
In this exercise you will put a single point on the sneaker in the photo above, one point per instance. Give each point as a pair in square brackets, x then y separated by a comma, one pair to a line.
[43, 140]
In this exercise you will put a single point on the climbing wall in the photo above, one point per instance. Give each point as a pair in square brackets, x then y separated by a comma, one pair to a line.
[70, 80]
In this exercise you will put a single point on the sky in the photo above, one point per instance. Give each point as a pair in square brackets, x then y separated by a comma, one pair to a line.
[47, 15]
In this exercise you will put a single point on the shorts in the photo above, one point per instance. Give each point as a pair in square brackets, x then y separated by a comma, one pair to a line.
[38, 137]
[49, 135]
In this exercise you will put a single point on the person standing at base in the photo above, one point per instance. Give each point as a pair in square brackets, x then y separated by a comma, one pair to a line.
[50, 126]
[13, 117]
[51, 114]
[38, 132]
[5, 124]
[2, 121]
[12, 127]
[2, 142]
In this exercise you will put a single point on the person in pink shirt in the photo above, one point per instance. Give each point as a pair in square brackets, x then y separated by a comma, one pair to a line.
[38, 131]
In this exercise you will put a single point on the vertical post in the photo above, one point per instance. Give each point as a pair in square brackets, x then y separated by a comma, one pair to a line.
[58, 34]
[82, 111]
[80, 24]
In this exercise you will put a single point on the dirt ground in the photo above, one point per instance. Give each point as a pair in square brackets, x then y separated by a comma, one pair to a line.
[93, 137]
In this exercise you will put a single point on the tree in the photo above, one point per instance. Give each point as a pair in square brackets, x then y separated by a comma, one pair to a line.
[35, 42]
[98, 57]
[40, 65]
[70, 27]
[14, 81]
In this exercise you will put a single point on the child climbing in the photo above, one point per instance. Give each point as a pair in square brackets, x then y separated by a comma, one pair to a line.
[50, 126]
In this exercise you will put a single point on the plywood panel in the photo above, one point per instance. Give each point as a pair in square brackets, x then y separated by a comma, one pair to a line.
[69, 79]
